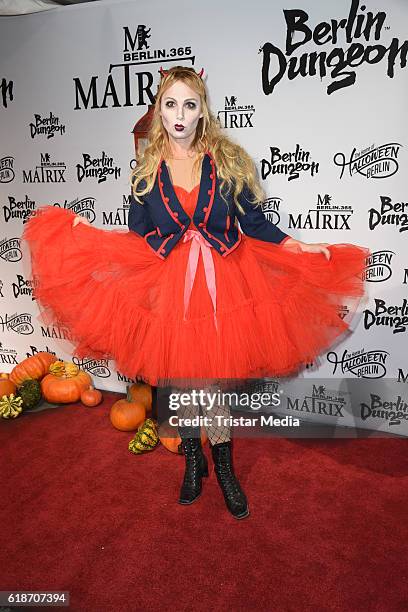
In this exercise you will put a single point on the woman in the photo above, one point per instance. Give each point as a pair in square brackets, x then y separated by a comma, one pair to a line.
[184, 295]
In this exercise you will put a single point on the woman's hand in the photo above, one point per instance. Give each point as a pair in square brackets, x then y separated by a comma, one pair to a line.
[79, 219]
[318, 247]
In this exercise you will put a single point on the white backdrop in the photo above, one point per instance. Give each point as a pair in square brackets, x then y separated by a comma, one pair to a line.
[348, 123]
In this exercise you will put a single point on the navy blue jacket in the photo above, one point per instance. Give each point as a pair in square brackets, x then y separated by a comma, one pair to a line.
[162, 221]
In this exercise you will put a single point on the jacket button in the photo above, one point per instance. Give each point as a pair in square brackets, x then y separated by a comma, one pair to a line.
[211, 176]
[205, 208]
[166, 200]
[201, 224]
[175, 214]
[161, 183]
[222, 248]
[162, 250]
[209, 191]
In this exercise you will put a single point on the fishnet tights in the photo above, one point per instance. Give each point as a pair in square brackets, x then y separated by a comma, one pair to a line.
[218, 427]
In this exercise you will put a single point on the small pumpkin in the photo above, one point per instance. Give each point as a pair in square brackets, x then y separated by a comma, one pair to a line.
[10, 406]
[146, 438]
[141, 392]
[57, 368]
[64, 389]
[173, 443]
[30, 393]
[34, 367]
[6, 385]
[126, 414]
[91, 396]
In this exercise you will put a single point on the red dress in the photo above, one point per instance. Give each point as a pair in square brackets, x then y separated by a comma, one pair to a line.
[276, 309]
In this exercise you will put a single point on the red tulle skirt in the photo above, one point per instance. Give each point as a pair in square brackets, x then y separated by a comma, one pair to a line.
[276, 309]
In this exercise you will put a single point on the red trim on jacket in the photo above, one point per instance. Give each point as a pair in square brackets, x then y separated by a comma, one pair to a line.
[166, 199]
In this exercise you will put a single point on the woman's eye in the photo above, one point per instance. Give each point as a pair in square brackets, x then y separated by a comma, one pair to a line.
[170, 104]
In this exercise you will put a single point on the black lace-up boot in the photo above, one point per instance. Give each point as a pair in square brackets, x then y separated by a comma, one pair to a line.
[196, 465]
[234, 496]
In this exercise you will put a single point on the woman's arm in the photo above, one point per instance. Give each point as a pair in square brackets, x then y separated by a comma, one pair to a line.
[254, 223]
[139, 220]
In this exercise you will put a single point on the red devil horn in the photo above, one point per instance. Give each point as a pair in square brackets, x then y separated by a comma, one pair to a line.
[163, 72]
[200, 74]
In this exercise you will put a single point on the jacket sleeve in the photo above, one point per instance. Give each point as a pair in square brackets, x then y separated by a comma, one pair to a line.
[139, 220]
[254, 223]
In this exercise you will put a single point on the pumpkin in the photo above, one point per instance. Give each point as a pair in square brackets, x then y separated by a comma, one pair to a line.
[173, 443]
[30, 393]
[91, 396]
[6, 385]
[10, 406]
[64, 389]
[126, 414]
[34, 367]
[64, 368]
[146, 438]
[141, 392]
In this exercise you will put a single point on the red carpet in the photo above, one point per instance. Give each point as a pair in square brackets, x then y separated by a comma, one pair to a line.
[80, 512]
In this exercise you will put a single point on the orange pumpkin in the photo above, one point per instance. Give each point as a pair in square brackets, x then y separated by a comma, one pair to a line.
[173, 443]
[91, 396]
[6, 385]
[64, 389]
[141, 392]
[34, 367]
[126, 415]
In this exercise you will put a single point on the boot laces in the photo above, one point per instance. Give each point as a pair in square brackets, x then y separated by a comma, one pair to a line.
[226, 475]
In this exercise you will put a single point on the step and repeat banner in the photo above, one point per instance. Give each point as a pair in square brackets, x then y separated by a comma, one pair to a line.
[315, 91]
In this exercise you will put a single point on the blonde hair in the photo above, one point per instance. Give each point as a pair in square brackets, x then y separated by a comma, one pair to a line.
[233, 164]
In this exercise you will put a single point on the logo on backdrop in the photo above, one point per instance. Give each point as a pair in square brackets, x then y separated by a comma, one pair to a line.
[17, 322]
[118, 216]
[360, 363]
[235, 115]
[6, 92]
[46, 172]
[7, 173]
[372, 162]
[320, 401]
[83, 206]
[394, 317]
[117, 87]
[96, 367]
[335, 60]
[8, 356]
[290, 163]
[18, 209]
[389, 214]
[10, 249]
[378, 268]
[97, 168]
[270, 207]
[23, 287]
[326, 216]
[34, 350]
[384, 409]
[46, 126]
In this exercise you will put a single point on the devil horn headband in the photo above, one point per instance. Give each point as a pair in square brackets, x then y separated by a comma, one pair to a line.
[165, 72]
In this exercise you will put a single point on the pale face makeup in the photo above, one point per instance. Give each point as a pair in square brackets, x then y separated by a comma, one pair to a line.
[180, 106]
